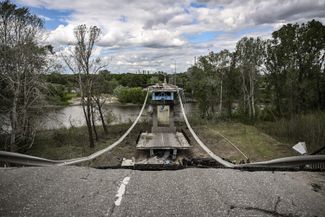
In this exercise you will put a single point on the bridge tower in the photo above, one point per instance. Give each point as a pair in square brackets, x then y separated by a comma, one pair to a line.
[162, 102]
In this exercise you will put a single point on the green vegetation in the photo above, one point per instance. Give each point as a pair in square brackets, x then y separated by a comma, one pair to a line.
[22, 62]
[73, 142]
[255, 144]
[63, 87]
[309, 128]
[262, 140]
[285, 74]
[59, 95]
[130, 94]
[252, 140]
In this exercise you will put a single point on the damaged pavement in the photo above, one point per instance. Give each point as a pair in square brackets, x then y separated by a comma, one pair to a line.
[81, 191]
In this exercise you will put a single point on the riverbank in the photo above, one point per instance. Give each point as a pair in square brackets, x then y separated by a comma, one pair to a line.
[73, 143]
[109, 99]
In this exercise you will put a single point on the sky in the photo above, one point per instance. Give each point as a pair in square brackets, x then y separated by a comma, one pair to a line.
[155, 34]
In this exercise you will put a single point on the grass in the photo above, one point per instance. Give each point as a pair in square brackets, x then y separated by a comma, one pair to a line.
[262, 140]
[73, 142]
[253, 142]
[309, 128]
[71, 95]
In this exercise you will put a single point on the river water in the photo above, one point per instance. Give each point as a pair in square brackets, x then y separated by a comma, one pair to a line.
[69, 116]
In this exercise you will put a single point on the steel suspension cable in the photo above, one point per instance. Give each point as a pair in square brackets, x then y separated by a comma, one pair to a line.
[198, 140]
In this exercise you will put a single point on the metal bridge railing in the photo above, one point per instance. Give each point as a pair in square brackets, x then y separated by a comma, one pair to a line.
[305, 161]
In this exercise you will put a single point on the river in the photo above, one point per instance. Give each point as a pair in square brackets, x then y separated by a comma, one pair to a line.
[69, 116]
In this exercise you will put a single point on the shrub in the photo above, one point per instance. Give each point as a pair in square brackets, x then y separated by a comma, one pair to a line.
[309, 128]
[129, 94]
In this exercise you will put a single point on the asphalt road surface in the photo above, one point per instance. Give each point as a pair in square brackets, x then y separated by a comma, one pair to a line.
[80, 191]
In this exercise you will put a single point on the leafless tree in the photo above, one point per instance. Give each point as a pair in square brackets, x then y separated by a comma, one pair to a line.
[81, 62]
[99, 100]
[93, 119]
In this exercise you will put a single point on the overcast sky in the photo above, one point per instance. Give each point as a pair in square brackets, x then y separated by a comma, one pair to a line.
[153, 34]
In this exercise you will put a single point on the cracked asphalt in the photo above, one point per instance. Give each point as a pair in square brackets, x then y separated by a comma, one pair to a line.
[82, 191]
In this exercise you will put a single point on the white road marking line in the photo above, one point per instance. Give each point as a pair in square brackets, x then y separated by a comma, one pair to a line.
[121, 191]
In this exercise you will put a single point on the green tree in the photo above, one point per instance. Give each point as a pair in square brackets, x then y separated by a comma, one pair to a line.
[249, 59]
[153, 80]
[295, 67]
[214, 82]
[221, 62]
[204, 82]
[134, 95]
[232, 83]
[22, 61]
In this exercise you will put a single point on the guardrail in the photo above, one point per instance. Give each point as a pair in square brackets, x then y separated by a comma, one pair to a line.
[22, 159]
[312, 162]
[306, 161]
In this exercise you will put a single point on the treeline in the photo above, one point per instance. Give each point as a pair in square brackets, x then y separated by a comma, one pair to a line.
[279, 77]
[108, 79]
[124, 86]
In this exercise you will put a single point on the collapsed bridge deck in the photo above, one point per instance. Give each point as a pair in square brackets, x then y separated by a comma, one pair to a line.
[163, 141]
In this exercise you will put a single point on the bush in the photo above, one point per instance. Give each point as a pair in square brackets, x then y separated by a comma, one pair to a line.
[59, 95]
[130, 94]
[309, 128]
[266, 113]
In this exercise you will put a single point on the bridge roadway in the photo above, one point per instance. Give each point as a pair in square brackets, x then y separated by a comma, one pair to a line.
[79, 191]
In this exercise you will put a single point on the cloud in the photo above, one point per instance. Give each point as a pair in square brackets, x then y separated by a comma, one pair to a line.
[157, 38]
[62, 35]
[45, 18]
[148, 34]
